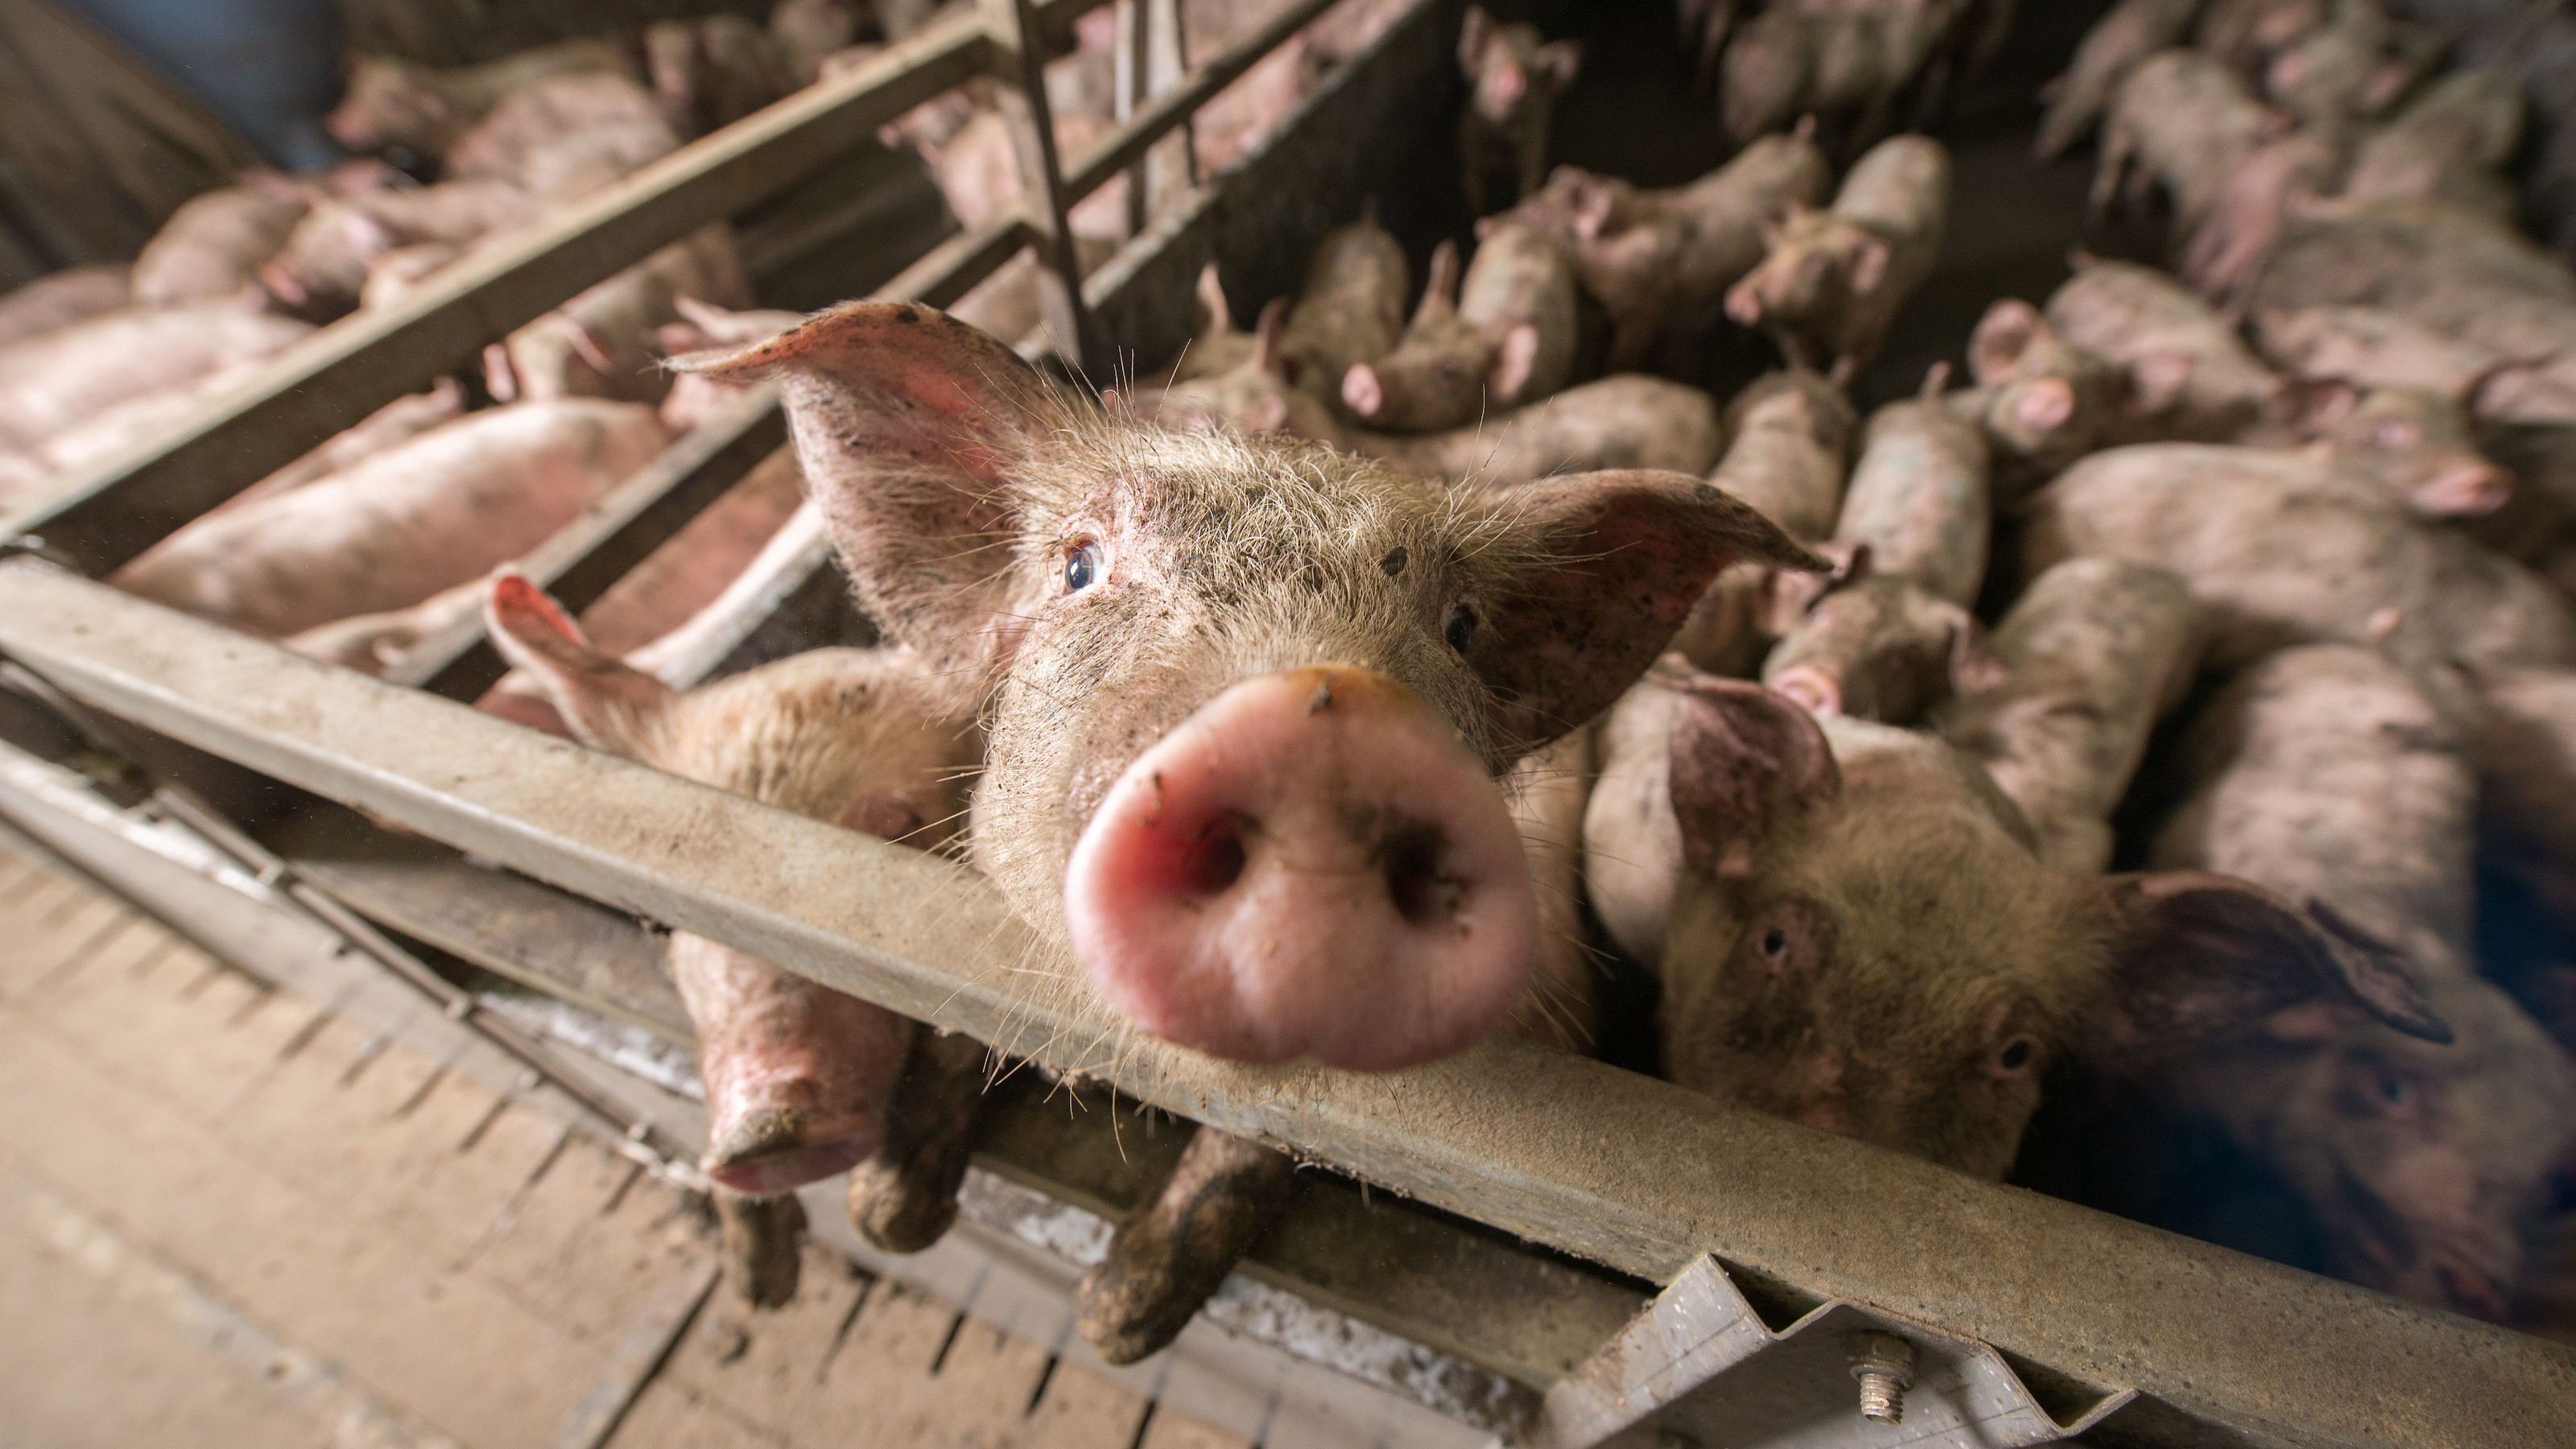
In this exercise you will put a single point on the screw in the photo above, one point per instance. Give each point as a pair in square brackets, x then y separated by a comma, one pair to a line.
[1884, 1364]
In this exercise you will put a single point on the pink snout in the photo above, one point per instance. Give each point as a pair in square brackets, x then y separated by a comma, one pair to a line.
[2466, 490]
[798, 1076]
[1311, 865]
[1361, 390]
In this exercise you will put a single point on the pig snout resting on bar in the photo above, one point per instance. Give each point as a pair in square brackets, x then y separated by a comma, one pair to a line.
[1503, 338]
[799, 1077]
[401, 525]
[2092, 655]
[1514, 79]
[1662, 260]
[1834, 279]
[1243, 687]
[1852, 930]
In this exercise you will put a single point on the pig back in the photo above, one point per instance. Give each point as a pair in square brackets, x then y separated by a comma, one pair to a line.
[1918, 499]
[1523, 275]
[1900, 188]
[436, 511]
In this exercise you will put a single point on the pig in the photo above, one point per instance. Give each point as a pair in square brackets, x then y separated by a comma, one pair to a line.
[120, 428]
[799, 1078]
[1918, 500]
[2132, 31]
[1350, 627]
[1351, 310]
[2447, 145]
[2248, 34]
[322, 271]
[2091, 657]
[1789, 441]
[1219, 347]
[2190, 376]
[2186, 122]
[1514, 77]
[566, 136]
[1833, 281]
[445, 507]
[978, 172]
[1663, 259]
[600, 343]
[211, 247]
[399, 273]
[1793, 60]
[51, 382]
[399, 421]
[2285, 547]
[1881, 648]
[2416, 445]
[59, 299]
[1503, 339]
[392, 103]
[2254, 208]
[713, 70]
[1851, 929]
[2329, 774]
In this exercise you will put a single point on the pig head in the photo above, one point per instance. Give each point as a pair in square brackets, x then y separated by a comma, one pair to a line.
[1248, 696]
[798, 1076]
[1853, 931]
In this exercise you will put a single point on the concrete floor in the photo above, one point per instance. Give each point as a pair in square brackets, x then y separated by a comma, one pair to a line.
[229, 1217]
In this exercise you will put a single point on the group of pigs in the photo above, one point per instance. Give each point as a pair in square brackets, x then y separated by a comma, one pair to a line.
[1377, 678]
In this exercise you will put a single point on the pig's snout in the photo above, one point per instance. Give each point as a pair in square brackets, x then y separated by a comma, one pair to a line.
[2467, 490]
[1311, 865]
[1744, 305]
[1819, 693]
[798, 1077]
[1361, 389]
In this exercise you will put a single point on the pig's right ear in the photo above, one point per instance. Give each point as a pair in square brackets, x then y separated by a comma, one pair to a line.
[1474, 34]
[1615, 562]
[2006, 332]
[1745, 762]
[2196, 955]
[609, 706]
[911, 427]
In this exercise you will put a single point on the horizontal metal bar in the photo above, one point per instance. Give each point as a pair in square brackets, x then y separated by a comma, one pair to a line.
[1617, 1168]
[1164, 114]
[337, 376]
[951, 269]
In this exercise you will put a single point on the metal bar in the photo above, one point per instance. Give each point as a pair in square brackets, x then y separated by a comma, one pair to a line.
[1020, 64]
[1620, 1169]
[951, 269]
[1093, 168]
[340, 374]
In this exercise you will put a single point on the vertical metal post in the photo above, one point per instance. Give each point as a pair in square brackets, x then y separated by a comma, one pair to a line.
[1020, 64]
[1152, 59]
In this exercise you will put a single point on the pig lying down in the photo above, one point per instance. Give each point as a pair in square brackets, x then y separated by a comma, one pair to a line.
[1248, 696]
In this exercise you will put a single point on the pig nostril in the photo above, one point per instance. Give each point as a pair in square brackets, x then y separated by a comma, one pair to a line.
[1409, 858]
[1212, 863]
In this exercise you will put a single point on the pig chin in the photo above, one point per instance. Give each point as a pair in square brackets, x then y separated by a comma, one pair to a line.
[1313, 865]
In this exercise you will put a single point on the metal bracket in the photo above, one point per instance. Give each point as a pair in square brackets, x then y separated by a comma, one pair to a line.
[1700, 1367]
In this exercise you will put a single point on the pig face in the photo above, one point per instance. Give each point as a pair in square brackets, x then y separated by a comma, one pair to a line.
[1861, 939]
[389, 103]
[1249, 696]
[1508, 65]
[2414, 445]
[798, 1076]
[1819, 263]
[2438, 1173]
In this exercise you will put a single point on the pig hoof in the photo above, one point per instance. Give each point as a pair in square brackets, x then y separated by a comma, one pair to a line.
[1164, 1262]
[763, 1245]
[767, 1152]
[898, 1212]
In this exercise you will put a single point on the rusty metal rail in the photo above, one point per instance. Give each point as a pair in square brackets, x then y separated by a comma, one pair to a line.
[1622, 1170]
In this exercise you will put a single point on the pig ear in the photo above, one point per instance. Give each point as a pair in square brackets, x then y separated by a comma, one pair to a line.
[2316, 406]
[1515, 357]
[1869, 266]
[608, 705]
[1216, 319]
[2006, 332]
[1266, 356]
[1440, 293]
[1974, 665]
[911, 427]
[1745, 761]
[2159, 378]
[1558, 60]
[1618, 558]
[2195, 955]
[1474, 34]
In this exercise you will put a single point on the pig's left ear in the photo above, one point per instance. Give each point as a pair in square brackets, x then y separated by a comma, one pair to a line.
[911, 427]
[1869, 266]
[609, 706]
[1615, 562]
[2195, 955]
[1474, 34]
[1558, 60]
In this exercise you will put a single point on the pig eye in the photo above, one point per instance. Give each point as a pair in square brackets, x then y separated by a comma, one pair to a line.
[2015, 1055]
[1460, 628]
[2394, 435]
[1775, 943]
[2395, 1091]
[1081, 567]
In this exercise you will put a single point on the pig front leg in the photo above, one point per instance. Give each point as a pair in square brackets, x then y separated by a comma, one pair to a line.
[1226, 1195]
[904, 1197]
[763, 1241]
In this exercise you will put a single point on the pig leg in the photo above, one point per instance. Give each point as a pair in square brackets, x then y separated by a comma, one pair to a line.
[1225, 1196]
[904, 1198]
[763, 1245]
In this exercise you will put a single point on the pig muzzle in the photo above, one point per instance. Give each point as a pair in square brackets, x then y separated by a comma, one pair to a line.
[1311, 865]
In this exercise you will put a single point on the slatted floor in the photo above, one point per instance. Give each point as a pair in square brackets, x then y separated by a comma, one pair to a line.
[231, 1218]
